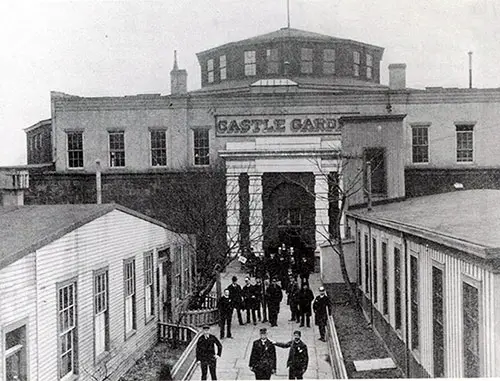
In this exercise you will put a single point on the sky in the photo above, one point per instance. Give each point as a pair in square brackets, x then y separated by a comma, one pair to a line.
[115, 48]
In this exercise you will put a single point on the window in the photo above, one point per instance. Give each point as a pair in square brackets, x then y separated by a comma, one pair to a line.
[67, 329]
[250, 63]
[369, 66]
[201, 147]
[75, 149]
[375, 270]
[376, 157]
[471, 330]
[329, 61]
[272, 61]
[222, 67]
[210, 70]
[385, 279]
[420, 144]
[306, 60]
[158, 148]
[367, 265]
[101, 312]
[360, 279]
[289, 217]
[465, 143]
[15, 354]
[414, 307]
[356, 59]
[178, 272]
[130, 298]
[397, 287]
[149, 302]
[438, 321]
[117, 149]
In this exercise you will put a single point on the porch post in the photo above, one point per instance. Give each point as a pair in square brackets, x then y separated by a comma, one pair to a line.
[233, 213]
[255, 211]
[321, 206]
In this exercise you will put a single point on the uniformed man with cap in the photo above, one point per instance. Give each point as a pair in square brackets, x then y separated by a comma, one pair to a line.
[322, 307]
[298, 358]
[205, 352]
[263, 357]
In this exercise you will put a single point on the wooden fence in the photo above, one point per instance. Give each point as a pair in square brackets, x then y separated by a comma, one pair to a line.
[336, 358]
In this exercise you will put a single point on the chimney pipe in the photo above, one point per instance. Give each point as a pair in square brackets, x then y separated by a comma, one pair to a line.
[98, 181]
[178, 78]
[470, 70]
[397, 76]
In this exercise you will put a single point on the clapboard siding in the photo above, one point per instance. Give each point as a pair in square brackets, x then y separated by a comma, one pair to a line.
[455, 272]
[104, 242]
[18, 303]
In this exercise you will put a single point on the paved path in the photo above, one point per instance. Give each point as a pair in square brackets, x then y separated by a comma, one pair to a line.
[233, 364]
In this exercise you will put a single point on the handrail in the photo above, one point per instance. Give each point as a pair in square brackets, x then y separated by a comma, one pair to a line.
[186, 363]
[336, 357]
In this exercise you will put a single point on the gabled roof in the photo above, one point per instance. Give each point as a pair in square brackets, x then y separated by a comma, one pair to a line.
[467, 220]
[24, 229]
[288, 33]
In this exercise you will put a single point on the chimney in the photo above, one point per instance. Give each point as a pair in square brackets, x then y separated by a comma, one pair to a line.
[178, 79]
[397, 76]
[12, 186]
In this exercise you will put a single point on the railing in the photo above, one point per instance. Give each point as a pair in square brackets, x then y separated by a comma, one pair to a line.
[184, 367]
[176, 334]
[335, 352]
[14, 179]
[207, 314]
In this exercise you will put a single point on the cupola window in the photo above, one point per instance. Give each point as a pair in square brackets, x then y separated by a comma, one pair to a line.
[210, 70]
[306, 58]
[356, 58]
[250, 63]
[369, 66]
[272, 60]
[222, 67]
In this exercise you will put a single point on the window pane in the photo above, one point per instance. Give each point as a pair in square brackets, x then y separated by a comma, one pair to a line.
[201, 147]
[158, 148]
[420, 144]
[117, 149]
[471, 330]
[75, 149]
[306, 60]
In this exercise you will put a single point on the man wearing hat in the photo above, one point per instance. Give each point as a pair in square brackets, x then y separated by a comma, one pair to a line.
[263, 357]
[205, 352]
[298, 358]
[322, 307]
[274, 297]
[235, 296]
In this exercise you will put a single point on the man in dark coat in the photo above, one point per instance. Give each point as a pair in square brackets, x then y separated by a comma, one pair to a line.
[293, 299]
[304, 269]
[258, 291]
[249, 300]
[265, 296]
[225, 313]
[260, 267]
[305, 299]
[322, 309]
[298, 358]
[274, 297]
[272, 265]
[263, 357]
[235, 296]
[205, 352]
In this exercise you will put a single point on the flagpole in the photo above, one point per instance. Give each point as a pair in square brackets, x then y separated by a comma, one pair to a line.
[288, 12]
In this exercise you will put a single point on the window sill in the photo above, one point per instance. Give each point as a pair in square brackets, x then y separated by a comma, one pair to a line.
[149, 319]
[129, 334]
[465, 162]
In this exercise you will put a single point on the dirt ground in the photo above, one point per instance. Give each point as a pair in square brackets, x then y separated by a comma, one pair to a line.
[148, 367]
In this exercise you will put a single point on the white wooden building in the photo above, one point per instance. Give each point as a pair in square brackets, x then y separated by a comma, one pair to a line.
[82, 288]
[428, 272]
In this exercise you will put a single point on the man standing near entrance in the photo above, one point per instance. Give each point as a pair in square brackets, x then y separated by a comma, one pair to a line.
[263, 357]
[322, 307]
[205, 353]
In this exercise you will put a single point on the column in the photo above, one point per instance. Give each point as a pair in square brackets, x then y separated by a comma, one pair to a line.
[255, 211]
[321, 205]
[233, 213]
[342, 218]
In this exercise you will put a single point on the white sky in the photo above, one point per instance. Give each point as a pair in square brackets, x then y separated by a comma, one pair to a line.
[99, 48]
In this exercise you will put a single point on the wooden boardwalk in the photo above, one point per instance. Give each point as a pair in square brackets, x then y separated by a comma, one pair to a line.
[233, 364]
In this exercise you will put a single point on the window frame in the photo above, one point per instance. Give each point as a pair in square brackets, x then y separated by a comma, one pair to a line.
[385, 278]
[440, 267]
[152, 310]
[133, 296]
[98, 357]
[470, 125]
[329, 61]
[369, 65]
[250, 63]
[476, 284]
[360, 260]
[200, 148]
[272, 61]
[374, 266]
[154, 149]
[398, 288]
[415, 127]
[223, 67]
[68, 160]
[306, 60]
[367, 277]
[24, 322]
[210, 70]
[116, 150]
[74, 338]
[356, 63]
[414, 302]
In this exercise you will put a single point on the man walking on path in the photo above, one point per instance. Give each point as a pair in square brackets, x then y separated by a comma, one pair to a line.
[305, 299]
[322, 309]
[235, 296]
[263, 357]
[225, 314]
[249, 300]
[298, 358]
[205, 352]
[274, 297]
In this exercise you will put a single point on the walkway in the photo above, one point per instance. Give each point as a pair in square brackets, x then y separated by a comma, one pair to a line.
[233, 364]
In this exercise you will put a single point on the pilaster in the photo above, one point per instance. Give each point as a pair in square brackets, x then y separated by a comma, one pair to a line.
[255, 208]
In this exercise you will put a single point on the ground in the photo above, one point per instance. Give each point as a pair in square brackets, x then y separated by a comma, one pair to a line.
[148, 367]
